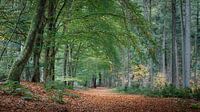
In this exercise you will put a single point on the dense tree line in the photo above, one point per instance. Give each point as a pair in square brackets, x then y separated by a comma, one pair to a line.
[100, 42]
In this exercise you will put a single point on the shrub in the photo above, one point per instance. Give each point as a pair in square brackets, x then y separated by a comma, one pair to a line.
[196, 93]
[54, 85]
[159, 81]
[166, 91]
[195, 106]
[58, 97]
[70, 87]
[172, 91]
[57, 88]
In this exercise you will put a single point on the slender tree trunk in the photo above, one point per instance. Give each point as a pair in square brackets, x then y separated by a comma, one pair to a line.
[100, 79]
[70, 64]
[182, 35]
[94, 81]
[38, 24]
[196, 36]
[129, 64]
[187, 47]
[163, 48]
[65, 62]
[174, 46]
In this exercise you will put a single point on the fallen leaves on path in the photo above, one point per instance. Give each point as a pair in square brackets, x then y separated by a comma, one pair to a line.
[92, 100]
[104, 100]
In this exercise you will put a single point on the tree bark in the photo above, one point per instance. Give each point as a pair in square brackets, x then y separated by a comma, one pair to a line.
[182, 35]
[187, 47]
[174, 46]
[100, 79]
[38, 23]
[50, 50]
[163, 48]
[65, 71]
[196, 46]
[36, 56]
[94, 81]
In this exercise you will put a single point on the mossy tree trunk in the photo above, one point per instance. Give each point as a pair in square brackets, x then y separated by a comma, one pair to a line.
[36, 56]
[37, 24]
[50, 50]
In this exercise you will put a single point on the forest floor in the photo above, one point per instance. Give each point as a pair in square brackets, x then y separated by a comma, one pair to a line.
[92, 100]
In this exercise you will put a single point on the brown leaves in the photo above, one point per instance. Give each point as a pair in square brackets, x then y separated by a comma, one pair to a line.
[104, 100]
[92, 100]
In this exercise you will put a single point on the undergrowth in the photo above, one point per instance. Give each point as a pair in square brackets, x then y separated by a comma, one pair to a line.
[15, 89]
[57, 90]
[166, 91]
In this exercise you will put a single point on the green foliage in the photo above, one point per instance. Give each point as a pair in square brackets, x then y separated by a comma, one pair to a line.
[14, 88]
[195, 106]
[58, 96]
[70, 87]
[54, 85]
[135, 90]
[57, 90]
[166, 91]
[172, 91]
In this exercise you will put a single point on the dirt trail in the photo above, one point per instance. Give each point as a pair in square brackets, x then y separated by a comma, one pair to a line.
[104, 100]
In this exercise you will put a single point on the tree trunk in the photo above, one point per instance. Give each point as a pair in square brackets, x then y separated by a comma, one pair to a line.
[100, 79]
[187, 47]
[163, 48]
[50, 50]
[65, 63]
[94, 81]
[196, 46]
[38, 24]
[36, 56]
[174, 46]
[182, 35]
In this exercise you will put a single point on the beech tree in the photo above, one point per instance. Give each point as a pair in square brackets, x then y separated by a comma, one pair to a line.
[37, 25]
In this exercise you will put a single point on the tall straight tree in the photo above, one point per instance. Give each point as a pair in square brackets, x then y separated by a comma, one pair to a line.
[196, 46]
[187, 46]
[37, 25]
[174, 46]
[182, 36]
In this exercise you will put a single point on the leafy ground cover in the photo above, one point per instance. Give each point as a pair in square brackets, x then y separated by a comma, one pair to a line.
[92, 100]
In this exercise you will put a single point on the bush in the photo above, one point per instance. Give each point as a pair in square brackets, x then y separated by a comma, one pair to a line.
[166, 91]
[172, 91]
[54, 85]
[57, 88]
[195, 106]
[58, 97]
[70, 87]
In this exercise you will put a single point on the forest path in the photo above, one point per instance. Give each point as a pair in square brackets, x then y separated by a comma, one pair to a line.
[105, 100]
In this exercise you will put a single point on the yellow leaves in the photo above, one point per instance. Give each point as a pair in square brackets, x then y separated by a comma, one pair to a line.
[160, 80]
[140, 72]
